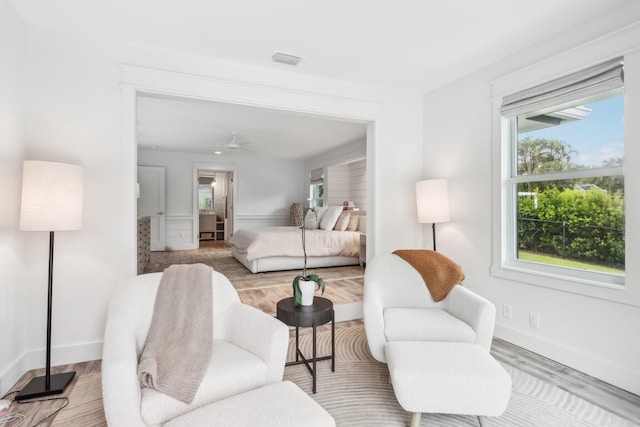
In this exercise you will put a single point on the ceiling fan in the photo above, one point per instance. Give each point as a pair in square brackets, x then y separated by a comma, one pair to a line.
[234, 144]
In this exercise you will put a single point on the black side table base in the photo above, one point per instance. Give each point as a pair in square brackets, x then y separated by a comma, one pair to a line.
[319, 313]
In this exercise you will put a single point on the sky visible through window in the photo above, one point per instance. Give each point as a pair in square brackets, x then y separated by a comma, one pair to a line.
[597, 138]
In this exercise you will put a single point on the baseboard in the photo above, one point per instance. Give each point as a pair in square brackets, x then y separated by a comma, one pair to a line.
[612, 373]
[350, 311]
[36, 359]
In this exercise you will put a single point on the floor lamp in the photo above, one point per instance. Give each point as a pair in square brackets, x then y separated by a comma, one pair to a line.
[432, 197]
[51, 201]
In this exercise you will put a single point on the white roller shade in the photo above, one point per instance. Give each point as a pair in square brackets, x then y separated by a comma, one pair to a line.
[316, 175]
[594, 80]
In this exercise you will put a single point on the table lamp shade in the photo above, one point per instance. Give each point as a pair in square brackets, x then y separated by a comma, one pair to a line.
[432, 198]
[52, 196]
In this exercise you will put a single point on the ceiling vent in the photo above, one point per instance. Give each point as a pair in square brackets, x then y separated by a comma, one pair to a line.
[285, 58]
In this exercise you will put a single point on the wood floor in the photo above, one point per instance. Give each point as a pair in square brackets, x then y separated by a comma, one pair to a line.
[617, 401]
[41, 412]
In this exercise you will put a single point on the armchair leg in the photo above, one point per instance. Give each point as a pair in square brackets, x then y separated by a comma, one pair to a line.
[483, 421]
[415, 419]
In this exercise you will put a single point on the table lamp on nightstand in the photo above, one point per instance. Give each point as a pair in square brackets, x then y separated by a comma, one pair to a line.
[51, 201]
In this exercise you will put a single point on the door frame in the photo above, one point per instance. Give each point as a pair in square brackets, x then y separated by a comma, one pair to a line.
[136, 79]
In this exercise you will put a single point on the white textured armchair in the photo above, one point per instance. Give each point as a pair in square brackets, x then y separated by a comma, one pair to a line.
[249, 351]
[398, 307]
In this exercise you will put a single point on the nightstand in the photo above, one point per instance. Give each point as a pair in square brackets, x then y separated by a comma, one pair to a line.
[363, 249]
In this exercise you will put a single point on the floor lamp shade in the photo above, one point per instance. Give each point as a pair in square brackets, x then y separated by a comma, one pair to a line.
[432, 197]
[51, 196]
[51, 201]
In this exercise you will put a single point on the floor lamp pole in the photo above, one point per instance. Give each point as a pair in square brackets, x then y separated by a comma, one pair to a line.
[433, 229]
[47, 375]
[49, 384]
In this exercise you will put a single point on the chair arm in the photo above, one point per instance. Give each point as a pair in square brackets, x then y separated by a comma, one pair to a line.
[120, 385]
[261, 334]
[374, 329]
[476, 311]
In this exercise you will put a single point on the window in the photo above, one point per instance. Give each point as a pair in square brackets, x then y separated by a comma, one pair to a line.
[564, 190]
[316, 188]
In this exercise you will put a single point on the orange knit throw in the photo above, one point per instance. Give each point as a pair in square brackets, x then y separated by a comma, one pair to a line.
[439, 273]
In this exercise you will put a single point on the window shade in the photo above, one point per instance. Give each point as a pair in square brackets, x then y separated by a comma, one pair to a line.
[588, 82]
[316, 176]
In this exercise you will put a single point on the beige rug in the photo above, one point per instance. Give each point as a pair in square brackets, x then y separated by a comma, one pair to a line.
[359, 394]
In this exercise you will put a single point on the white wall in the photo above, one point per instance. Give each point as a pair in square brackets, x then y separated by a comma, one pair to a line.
[266, 189]
[74, 113]
[14, 256]
[347, 183]
[594, 335]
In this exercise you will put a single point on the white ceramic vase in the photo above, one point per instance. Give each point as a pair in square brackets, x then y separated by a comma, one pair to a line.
[307, 289]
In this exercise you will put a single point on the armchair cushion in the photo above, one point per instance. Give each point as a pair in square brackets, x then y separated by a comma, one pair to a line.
[232, 370]
[424, 324]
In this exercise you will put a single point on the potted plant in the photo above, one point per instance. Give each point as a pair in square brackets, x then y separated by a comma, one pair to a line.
[305, 285]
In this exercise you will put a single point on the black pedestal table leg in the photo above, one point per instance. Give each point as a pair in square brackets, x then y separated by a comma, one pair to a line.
[297, 347]
[333, 341]
[314, 358]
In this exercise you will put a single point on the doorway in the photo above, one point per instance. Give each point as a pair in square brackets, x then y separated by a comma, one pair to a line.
[138, 80]
[214, 198]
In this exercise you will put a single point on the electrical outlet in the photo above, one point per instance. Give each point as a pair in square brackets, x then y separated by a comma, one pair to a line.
[534, 320]
[506, 311]
[182, 234]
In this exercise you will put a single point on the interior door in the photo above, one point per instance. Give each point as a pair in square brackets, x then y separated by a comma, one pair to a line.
[228, 230]
[152, 202]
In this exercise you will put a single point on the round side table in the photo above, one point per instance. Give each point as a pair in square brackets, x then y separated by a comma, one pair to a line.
[319, 313]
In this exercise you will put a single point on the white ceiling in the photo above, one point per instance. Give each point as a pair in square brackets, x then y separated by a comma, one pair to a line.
[417, 44]
[197, 126]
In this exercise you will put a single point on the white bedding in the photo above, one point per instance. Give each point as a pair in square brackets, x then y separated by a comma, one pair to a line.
[287, 241]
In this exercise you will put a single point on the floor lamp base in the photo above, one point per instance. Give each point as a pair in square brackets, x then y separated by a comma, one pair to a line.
[37, 386]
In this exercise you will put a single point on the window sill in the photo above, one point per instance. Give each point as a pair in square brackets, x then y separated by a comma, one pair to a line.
[589, 288]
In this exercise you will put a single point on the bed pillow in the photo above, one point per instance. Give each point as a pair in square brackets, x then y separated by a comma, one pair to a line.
[342, 222]
[353, 223]
[312, 221]
[330, 217]
[295, 215]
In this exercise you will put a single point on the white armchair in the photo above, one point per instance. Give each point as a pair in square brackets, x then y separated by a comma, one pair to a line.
[249, 351]
[397, 306]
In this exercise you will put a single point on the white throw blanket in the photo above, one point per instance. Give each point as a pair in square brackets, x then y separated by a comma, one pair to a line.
[177, 352]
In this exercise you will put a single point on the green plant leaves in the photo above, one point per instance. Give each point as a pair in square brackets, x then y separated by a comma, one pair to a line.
[297, 294]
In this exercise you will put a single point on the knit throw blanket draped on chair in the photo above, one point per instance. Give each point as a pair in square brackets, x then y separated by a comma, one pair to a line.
[177, 352]
[439, 273]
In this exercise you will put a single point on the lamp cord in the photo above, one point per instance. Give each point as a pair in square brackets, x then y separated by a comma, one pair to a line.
[10, 417]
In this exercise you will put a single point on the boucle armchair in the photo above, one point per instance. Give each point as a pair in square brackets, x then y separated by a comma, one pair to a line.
[397, 306]
[249, 351]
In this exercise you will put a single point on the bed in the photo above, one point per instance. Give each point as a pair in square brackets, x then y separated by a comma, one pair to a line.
[280, 248]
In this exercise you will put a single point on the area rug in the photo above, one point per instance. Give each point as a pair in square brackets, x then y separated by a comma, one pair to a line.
[359, 394]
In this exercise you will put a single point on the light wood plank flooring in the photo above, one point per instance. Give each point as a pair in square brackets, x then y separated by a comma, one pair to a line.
[41, 412]
[619, 402]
